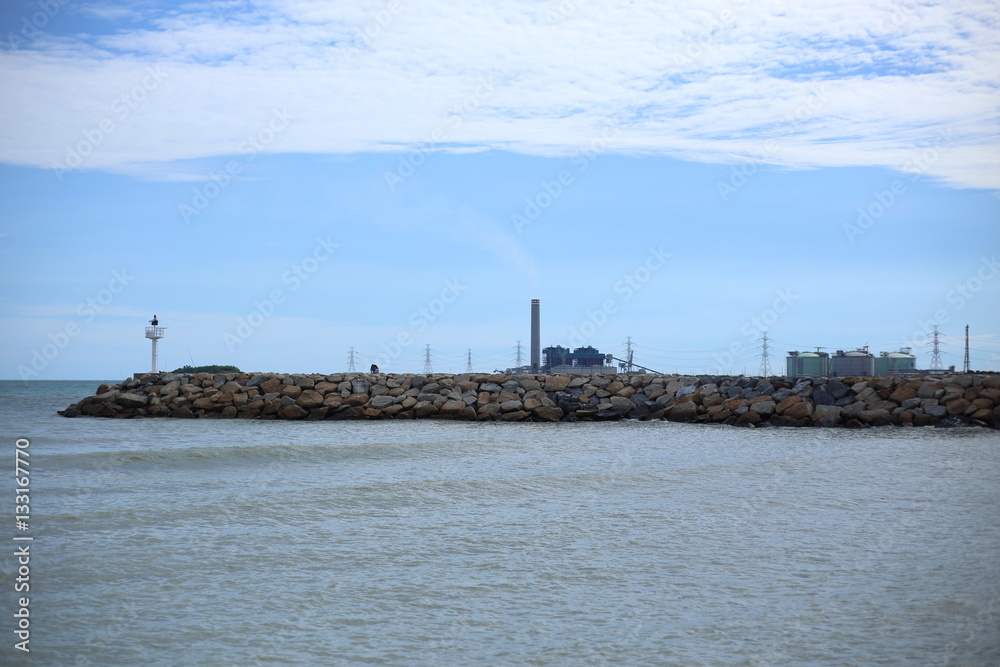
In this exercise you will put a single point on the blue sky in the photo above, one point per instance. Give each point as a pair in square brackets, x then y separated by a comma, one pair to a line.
[279, 185]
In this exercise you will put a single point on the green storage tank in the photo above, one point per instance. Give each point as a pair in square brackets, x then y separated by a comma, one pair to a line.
[815, 364]
[896, 363]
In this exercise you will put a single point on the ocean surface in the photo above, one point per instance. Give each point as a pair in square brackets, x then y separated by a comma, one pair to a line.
[180, 542]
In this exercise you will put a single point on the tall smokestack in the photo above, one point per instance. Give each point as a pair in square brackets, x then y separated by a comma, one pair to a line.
[536, 336]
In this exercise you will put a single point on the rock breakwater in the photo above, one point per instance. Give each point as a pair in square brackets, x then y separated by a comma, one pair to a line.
[854, 402]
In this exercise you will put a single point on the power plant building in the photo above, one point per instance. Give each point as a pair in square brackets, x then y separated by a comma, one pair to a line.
[559, 359]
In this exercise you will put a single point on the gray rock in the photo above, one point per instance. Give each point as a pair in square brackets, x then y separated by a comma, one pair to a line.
[131, 400]
[780, 394]
[837, 389]
[821, 396]
[381, 402]
[935, 410]
[511, 406]
[685, 391]
[360, 386]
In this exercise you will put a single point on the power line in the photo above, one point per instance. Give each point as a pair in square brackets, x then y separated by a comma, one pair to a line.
[518, 360]
[350, 361]
[468, 365]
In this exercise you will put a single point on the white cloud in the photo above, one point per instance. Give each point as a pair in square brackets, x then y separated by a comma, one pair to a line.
[820, 84]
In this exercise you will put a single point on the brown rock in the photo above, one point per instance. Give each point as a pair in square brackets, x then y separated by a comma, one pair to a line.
[748, 418]
[292, 412]
[324, 387]
[515, 416]
[902, 394]
[799, 410]
[309, 399]
[270, 386]
[958, 406]
[453, 407]
[204, 403]
[183, 412]
[556, 382]
[229, 412]
[552, 414]
[293, 391]
[785, 404]
[683, 412]
[356, 400]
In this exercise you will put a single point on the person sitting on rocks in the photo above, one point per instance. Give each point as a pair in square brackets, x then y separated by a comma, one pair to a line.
[374, 368]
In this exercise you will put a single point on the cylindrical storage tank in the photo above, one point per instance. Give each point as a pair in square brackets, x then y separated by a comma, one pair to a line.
[807, 363]
[855, 362]
[896, 363]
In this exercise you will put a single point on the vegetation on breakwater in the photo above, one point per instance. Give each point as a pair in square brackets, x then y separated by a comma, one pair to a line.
[742, 401]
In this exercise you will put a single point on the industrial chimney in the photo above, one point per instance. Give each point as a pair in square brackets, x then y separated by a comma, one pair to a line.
[536, 336]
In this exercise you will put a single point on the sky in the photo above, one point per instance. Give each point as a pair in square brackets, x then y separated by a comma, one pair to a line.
[287, 183]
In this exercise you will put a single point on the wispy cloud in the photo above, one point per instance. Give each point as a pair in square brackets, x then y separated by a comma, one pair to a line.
[708, 82]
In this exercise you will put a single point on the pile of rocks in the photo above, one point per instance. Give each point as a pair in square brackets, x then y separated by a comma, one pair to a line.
[741, 401]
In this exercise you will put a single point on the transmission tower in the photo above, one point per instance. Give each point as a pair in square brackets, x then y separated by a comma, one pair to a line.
[518, 360]
[427, 359]
[350, 361]
[468, 363]
[966, 369]
[765, 358]
[628, 354]
[936, 364]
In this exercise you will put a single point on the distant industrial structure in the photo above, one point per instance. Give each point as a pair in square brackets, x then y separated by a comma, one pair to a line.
[859, 362]
[559, 359]
[896, 363]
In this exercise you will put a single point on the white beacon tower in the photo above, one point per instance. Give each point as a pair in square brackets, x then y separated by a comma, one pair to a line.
[154, 333]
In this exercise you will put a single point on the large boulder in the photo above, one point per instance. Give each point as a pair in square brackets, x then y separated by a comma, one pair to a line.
[383, 402]
[683, 412]
[309, 399]
[131, 400]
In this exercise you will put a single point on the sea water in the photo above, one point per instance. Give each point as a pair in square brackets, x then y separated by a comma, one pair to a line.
[214, 542]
